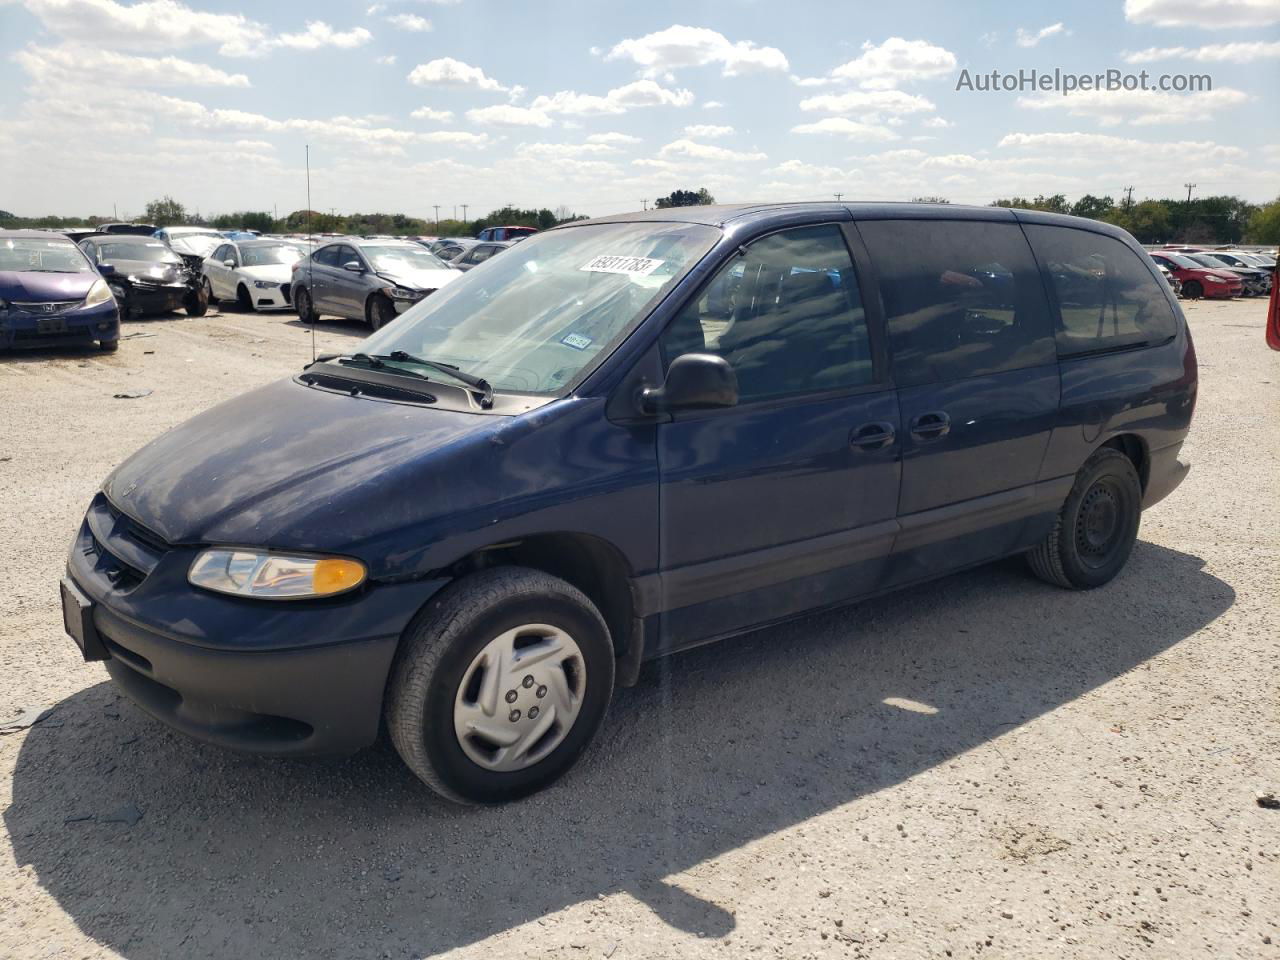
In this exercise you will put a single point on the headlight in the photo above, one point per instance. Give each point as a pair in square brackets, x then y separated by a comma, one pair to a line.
[98, 293]
[401, 293]
[265, 284]
[274, 576]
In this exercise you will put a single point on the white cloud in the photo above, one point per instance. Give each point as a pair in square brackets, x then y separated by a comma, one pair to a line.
[386, 60]
[936, 123]
[320, 34]
[1243, 52]
[506, 115]
[680, 46]
[1138, 107]
[641, 93]
[72, 60]
[705, 151]
[843, 126]
[428, 113]
[612, 138]
[410, 22]
[1025, 38]
[884, 67]
[552, 151]
[712, 105]
[708, 130]
[893, 102]
[1101, 146]
[448, 72]
[1206, 14]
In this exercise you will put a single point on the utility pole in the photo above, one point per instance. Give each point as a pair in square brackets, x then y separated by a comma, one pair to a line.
[1190, 187]
[436, 207]
[455, 211]
[838, 196]
[646, 204]
[1128, 198]
[464, 211]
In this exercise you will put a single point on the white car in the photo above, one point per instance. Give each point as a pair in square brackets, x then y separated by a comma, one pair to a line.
[254, 273]
[189, 241]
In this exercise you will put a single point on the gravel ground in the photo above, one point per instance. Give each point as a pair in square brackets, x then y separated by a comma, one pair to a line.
[985, 767]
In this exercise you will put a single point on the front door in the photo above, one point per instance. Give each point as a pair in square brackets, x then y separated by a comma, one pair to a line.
[971, 341]
[786, 501]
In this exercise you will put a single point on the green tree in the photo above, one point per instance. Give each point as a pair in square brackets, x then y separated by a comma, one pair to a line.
[685, 198]
[1093, 207]
[930, 200]
[1264, 225]
[166, 212]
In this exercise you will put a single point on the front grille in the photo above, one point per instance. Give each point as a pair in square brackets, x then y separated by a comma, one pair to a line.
[45, 308]
[123, 551]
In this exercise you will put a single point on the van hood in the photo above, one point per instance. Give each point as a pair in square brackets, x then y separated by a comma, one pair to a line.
[286, 466]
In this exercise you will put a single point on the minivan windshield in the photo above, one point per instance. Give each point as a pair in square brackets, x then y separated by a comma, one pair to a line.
[534, 318]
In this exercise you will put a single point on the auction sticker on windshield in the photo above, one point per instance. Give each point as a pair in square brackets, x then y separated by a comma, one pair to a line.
[634, 266]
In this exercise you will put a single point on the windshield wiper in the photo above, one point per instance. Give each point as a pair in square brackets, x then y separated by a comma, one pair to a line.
[378, 360]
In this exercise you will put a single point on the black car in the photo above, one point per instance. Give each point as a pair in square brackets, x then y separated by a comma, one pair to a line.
[623, 438]
[146, 276]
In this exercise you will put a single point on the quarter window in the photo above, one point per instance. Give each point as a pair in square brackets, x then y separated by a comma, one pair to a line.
[1107, 297]
[962, 298]
[787, 315]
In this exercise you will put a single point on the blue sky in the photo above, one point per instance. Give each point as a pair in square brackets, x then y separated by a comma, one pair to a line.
[411, 103]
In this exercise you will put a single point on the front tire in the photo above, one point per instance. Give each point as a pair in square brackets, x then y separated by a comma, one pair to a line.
[108, 346]
[208, 293]
[244, 300]
[197, 304]
[379, 311]
[499, 685]
[1097, 526]
[1192, 290]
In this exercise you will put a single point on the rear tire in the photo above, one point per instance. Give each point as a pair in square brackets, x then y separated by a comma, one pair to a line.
[303, 306]
[1096, 528]
[1192, 290]
[436, 685]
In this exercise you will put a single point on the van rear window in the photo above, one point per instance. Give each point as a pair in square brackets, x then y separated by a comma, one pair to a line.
[1107, 297]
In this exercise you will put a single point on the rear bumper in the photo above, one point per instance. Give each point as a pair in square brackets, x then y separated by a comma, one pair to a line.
[1166, 471]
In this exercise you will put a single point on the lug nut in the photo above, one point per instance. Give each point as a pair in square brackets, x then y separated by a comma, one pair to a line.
[541, 692]
[511, 696]
[514, 715]
[527, 683]
[533, 712]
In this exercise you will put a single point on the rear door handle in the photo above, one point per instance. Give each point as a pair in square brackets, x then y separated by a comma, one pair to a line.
[873, 436]
[933, 425]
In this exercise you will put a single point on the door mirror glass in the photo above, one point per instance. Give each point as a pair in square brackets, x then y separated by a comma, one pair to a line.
[229, 264]
[695, 381]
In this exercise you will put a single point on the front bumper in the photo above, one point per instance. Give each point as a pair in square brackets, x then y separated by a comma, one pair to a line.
[76, 326]
[282, 678]
[158, 298]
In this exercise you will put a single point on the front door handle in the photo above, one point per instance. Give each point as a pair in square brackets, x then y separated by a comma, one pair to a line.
[872, 436]
[933, 425]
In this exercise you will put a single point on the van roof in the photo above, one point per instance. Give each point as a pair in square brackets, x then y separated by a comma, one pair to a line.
[745, 214]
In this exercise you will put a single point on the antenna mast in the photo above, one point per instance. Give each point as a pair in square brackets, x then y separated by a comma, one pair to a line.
[311, 249]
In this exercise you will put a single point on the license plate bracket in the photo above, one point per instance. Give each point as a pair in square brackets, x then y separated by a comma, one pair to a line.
[77, 619]
[51, 325]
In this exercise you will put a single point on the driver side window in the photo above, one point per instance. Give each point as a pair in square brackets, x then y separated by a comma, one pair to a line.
[787, 315]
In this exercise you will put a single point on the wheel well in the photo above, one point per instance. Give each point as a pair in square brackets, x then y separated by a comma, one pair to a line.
[591, 564]
[1132, 447]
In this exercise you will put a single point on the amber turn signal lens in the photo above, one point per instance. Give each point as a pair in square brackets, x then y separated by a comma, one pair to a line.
[336, 574]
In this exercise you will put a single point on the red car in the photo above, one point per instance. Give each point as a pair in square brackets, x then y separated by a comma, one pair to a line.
[1198, 280]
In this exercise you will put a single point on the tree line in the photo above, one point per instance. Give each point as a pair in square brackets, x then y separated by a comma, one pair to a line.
[1209, 220]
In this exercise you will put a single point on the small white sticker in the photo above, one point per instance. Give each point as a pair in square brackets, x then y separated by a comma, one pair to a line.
[577, 341]
[632, 266]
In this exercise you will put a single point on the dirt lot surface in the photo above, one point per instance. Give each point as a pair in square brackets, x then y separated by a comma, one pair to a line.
[987, 766]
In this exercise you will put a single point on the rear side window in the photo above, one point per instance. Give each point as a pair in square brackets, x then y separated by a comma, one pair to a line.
[962, 298]
[1107, 297]
[787, 315]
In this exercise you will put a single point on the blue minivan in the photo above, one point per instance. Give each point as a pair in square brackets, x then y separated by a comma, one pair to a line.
[622, 438]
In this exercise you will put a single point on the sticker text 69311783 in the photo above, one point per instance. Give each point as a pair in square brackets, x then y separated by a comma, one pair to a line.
[633, 266]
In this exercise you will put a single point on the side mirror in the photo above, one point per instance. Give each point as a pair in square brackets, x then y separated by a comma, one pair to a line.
[353, 266]
[106, 269]
[695, 381]
[229, 264]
